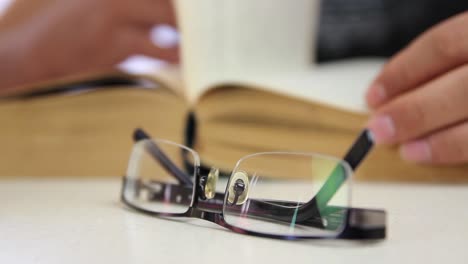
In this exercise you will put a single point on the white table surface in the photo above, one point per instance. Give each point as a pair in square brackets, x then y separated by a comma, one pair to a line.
[82, 221]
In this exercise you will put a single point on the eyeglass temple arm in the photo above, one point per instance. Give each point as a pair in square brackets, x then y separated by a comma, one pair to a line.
[353, 157]
[163, 160]
[361, 147]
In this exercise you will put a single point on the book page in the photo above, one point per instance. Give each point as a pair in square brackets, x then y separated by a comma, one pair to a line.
[222, 38]
[201, 34]
[268, 44]
[338, 84]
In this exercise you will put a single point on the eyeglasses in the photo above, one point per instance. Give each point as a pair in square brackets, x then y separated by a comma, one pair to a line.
[284, 195]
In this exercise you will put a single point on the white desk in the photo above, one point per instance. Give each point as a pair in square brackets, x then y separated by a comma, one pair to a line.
[82, 221]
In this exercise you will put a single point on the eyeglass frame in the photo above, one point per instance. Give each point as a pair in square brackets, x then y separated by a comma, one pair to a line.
[369, 224]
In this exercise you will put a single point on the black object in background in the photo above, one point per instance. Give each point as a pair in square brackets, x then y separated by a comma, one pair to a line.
[357, 28]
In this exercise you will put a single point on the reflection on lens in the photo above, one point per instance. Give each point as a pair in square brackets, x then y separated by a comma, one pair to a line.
[160, 177]
[309, 197]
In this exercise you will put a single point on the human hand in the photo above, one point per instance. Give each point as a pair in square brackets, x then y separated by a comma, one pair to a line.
[420, 97]
[47, 39]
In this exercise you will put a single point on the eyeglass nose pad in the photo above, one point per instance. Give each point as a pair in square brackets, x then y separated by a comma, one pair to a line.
[238, 188]
[210, 187]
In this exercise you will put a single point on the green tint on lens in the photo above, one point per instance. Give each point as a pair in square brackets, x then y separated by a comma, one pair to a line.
[151, 185]
[291, 195]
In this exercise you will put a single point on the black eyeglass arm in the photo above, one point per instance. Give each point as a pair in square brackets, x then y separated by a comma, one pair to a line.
[162, 158]
[353, 157]
[361, 147]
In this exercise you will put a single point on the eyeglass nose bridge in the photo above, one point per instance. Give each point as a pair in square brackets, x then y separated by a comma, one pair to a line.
[238, 190]
[207, 184]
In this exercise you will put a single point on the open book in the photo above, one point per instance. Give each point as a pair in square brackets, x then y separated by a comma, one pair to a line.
[83, 126]
[232, 97]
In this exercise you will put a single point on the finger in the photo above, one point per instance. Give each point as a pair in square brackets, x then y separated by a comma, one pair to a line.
[437, 51]
[448, 146]
[151, 12]
[435, 105]
[20, 10]
[145, 46]
[135, 41]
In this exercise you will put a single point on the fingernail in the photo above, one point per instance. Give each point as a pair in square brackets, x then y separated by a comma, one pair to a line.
[382, 128]
[417, 151]
[376, 95]
[165, 36]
